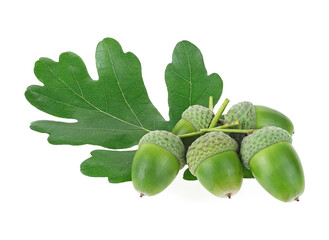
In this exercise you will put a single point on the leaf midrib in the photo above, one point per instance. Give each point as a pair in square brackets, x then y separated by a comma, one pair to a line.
[190, 73]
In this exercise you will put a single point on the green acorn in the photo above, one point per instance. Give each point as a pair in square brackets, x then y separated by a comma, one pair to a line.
[157, 161]
[213, 159]
[269, 155]
[193, 119]
[256, 117]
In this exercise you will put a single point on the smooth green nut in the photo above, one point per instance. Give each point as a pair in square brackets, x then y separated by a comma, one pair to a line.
[213, 159]
[157, 161]
[274, 163]
[193, 119]
[183, 127]
[266, 116]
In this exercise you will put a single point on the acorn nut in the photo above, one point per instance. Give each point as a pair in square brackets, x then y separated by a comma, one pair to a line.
[213, 159]
[157, 161]
[193, 119]
[256, 117]
[269, 155]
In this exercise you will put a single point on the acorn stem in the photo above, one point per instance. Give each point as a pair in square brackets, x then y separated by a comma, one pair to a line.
[223, 128]
[190, 134]
[219, 113]
[211, 103]
[227, 130]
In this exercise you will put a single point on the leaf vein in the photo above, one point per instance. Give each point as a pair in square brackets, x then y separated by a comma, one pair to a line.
[178, 75]
[76, 80]
[210, 85]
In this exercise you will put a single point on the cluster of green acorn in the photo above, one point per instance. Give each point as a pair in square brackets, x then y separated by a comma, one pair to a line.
[219, 149]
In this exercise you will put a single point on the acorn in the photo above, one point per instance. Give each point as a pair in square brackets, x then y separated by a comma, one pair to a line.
[159, 157]
[213, 159]
[256, 117]
[193, 119]
[274, 163]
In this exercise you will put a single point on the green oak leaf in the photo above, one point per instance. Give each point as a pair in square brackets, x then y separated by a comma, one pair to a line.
[189, 176]
[115, 165]
[187, 81]
[114, 111]
[246, 172]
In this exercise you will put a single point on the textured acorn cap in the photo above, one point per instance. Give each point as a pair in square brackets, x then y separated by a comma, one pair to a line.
[200, 117]
[261, 139]
[208, 145]
[168, 141]
[246, 114]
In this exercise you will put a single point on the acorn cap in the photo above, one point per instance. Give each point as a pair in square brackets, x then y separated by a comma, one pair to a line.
[208, 145]
[261, 139]
[246, 114]
[200, 117]
[168, 141]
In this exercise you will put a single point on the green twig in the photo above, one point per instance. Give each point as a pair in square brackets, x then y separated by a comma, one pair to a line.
[219, 113]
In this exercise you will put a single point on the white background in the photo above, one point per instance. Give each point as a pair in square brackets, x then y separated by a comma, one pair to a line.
[272, 53]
